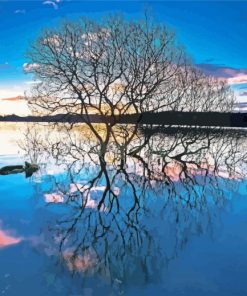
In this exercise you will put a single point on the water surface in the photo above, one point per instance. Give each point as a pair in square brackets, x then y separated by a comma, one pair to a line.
[168, 224]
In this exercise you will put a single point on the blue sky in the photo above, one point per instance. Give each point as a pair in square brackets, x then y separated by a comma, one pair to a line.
[214, 33]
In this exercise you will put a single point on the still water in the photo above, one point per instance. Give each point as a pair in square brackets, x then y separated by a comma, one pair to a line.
[139, 213]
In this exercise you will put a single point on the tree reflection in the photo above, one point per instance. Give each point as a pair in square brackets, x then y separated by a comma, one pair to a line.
[132, 200]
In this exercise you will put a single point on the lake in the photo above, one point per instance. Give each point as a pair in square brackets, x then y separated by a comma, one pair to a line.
[123, 211]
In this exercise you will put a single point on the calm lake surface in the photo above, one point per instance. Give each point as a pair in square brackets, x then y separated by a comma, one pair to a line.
[162, 214]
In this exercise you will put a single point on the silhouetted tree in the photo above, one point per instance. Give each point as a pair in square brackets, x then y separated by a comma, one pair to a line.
[117, 66]
[111, 221]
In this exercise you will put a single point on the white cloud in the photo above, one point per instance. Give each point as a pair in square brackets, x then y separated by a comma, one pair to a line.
[30, 67]
[32, 82]
[20, 11]
[54, 40]
[52, 3]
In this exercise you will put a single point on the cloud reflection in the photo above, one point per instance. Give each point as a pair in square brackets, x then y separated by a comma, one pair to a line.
[7, 239]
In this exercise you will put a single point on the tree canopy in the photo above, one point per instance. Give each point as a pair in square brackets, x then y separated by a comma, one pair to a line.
[116, 66]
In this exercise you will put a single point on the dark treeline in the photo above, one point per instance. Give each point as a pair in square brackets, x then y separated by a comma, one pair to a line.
[161, 118]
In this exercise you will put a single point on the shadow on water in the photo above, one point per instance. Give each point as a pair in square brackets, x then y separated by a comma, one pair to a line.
[127, 201]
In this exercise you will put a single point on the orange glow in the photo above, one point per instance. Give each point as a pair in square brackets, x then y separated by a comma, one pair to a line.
[7, 240]
[17, 98]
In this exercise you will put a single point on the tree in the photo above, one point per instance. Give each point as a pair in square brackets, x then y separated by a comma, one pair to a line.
[116, 66]
[108, 228]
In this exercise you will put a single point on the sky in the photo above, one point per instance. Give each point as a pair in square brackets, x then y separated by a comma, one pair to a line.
[214, 34]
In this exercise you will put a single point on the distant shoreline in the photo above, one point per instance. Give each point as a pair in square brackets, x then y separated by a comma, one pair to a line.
[210, 119]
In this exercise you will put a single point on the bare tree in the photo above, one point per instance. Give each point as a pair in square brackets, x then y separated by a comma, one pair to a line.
[151, 178]
[116, 66]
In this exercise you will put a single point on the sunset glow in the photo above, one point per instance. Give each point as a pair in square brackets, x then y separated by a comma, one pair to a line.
[123, 148]
[8, 240]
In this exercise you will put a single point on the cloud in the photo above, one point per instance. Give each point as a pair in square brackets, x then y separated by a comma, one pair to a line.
[33, 82]
[238, 79]
[12, 99]
[243, 94]
[220, 70]
[6, 239]
[30, 67]
[232, 75]
[52, 3]
[20, 11]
